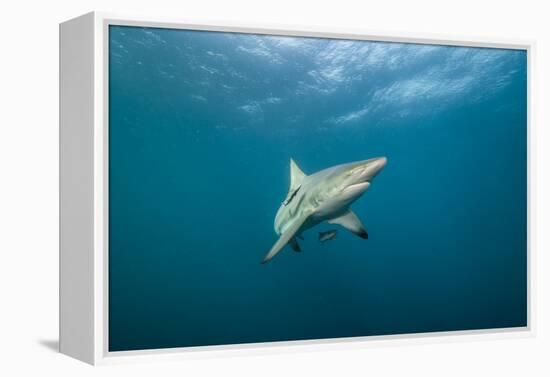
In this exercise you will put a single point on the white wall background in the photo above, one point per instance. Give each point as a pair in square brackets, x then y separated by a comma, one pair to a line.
[29, 184]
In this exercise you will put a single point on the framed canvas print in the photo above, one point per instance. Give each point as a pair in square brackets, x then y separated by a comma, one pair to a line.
[225, 187]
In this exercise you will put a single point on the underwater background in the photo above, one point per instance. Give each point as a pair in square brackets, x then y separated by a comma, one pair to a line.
[202, 126]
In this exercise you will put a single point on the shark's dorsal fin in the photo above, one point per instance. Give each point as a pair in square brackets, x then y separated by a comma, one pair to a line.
[296, 176]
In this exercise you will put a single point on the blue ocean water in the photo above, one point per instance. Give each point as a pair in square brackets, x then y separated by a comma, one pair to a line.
[201, 129]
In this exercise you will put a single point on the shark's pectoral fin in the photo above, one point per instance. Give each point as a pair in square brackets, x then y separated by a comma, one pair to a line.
[351, 222]
[285, 238]
[294, 245]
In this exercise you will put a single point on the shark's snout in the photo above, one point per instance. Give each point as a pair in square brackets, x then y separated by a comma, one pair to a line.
[372, 167]
[378, 164]
[361, 176]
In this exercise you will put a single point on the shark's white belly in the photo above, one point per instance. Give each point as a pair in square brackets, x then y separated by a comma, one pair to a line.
[323, 212]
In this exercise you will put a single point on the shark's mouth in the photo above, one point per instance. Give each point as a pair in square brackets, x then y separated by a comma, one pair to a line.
[357, 188]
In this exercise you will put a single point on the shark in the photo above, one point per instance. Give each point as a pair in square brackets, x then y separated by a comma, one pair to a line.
[323, 196]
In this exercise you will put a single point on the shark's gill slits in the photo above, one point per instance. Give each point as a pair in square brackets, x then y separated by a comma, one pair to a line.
[292, 195]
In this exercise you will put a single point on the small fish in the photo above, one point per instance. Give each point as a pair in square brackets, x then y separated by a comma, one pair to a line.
[327, 236]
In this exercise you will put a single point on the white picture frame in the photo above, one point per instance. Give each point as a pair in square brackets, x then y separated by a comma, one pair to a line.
[84, 182]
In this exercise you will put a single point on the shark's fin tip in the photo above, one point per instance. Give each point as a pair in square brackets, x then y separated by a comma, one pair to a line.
[294, 245]
[351, 222]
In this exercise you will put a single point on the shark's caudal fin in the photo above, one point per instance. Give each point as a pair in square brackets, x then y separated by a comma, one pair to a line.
[351, 222]
[286, 237]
